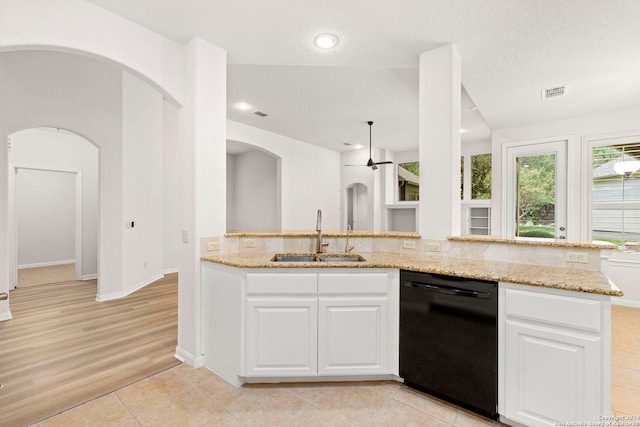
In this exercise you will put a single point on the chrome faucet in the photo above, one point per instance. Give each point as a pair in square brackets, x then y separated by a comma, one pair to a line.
[319, 230]
[348, 248]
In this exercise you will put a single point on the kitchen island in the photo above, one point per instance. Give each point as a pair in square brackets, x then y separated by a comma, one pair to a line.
[554, 330]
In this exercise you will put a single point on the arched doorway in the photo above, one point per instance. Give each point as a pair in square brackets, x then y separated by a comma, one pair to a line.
[358, 207]
[53, 202]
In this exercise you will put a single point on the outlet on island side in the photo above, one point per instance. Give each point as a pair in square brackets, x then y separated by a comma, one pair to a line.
[409, 244]
[249, 243]
[213, 246]
[433, 246]
[580, 257]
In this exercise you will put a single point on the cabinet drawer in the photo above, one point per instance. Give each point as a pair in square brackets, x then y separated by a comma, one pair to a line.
[361, 283]
[555, 309]
[279, 284]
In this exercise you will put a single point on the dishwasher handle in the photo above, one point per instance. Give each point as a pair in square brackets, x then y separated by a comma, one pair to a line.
[448, 290]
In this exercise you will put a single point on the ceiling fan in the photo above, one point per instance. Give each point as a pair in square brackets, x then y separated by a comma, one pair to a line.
[371, 164]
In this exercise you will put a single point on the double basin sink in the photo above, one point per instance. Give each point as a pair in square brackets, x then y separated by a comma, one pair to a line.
[317, 258]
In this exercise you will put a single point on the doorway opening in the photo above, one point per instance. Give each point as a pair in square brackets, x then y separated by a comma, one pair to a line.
[358, 207]
[53, 207]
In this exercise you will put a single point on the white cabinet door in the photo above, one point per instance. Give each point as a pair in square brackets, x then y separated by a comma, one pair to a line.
[352, 335]
[281, 337]
[552, 375]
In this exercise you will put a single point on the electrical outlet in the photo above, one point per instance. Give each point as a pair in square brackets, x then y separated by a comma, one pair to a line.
[433, 247]
[213, 246]
[581, 257]
[409, 244]
[249, 243]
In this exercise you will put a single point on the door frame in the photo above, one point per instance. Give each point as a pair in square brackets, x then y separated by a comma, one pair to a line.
[12, 231]
[539, 146]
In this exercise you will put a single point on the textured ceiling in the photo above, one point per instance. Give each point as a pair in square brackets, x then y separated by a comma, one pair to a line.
[510, 50]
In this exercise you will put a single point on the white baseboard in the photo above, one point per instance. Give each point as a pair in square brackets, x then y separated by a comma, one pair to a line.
[170, 270]
[625, 302]
[89, 276]
[188, 358]
[117, 295]
[5, 315]
[47, 264]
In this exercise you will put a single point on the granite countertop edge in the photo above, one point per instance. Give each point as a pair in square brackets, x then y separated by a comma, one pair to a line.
[576, 280]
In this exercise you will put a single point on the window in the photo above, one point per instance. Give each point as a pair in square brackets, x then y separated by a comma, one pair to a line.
[615, 190]
[475, 193]
[479, 179]
[481, 176]
[408, 181]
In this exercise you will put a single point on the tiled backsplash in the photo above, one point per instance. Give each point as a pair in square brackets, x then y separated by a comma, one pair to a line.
[488, 251]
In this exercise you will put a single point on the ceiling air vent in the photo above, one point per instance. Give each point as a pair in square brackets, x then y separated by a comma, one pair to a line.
[260, 113]
[553, 92]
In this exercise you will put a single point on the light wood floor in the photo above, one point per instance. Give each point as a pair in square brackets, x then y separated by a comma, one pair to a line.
[49, 274]
[62, 347]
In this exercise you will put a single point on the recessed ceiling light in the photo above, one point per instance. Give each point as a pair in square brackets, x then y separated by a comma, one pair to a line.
[326, 41]
[463, 130]
[243, 106]
[472, 108]
[358, 146]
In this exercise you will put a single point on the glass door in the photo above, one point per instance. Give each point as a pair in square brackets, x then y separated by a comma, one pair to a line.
[537, 190]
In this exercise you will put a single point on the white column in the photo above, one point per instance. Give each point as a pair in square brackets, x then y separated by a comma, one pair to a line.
[203, 181]
[440, 91]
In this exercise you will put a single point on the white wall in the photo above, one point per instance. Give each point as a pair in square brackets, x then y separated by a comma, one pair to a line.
[625, 274]
[88, 97]
[170, 183]
[45, 213]
[310, 177]
[194, 75]
[61, 90]
[79, 26]
[231, 193]
[253, 178]
[63, 150]
[368, 218]
[142, 192]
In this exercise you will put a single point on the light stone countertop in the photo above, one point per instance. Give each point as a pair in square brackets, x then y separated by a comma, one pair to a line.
[576, 280]
[325, 233]
[528, 241]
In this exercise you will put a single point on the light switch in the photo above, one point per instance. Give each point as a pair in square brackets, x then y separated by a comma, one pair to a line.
[185, 236]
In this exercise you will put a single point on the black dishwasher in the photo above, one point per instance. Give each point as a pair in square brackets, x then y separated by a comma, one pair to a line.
[449, 339]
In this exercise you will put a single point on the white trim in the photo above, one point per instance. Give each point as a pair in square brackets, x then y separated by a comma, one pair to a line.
[117, 295]
[89, 277]
[12, 222]
[189, 359]
[588, 142]
[47, 264]
[562, 185]
[625, 302]
[5, 315]
[170, 270]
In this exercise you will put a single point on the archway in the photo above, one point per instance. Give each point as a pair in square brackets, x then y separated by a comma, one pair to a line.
[253, 179]
[358, 207]
[50, 223]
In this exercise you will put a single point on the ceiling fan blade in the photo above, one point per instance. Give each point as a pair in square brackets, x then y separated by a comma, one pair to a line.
[384, 163]
[357, 165]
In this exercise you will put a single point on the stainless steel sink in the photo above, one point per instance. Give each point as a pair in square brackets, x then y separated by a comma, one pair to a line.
[293, 258]
[341, 258]
[314, 258]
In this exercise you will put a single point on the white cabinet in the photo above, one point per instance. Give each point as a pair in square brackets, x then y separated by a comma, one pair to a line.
[555, 362]
[321, 323]
[352, 336]
[281, 336]
[355, 321]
